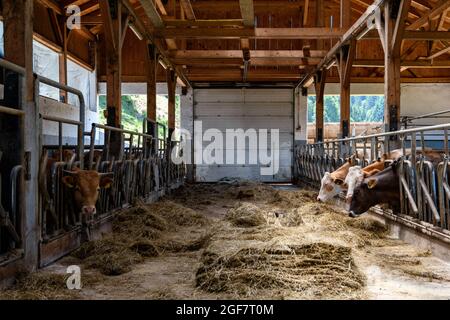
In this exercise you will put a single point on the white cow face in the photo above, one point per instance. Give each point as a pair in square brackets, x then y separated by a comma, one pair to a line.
[354, 177]
[329, 188]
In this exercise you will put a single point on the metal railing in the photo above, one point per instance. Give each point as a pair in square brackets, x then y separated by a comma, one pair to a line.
[423, 172]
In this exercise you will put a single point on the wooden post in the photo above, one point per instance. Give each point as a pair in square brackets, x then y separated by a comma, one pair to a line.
[171, 88]
[394, 28]
[347, 56]
[319, 83]
[18, 43]
[152, 64]
[112, 24]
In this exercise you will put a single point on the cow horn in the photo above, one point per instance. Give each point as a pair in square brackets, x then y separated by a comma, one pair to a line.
[69, 173]
[71, 161]
[106, 174]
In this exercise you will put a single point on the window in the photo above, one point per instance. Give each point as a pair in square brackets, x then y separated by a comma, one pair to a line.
[79, 78]
[46, 64]
[134, 111]
[363, 108]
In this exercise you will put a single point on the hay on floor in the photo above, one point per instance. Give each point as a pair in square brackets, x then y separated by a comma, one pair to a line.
[316, 270]
[246, 215]
[141, 232]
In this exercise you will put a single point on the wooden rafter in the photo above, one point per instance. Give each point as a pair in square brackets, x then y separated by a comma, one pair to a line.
[187, 9]
[254, 33]
[423, 20]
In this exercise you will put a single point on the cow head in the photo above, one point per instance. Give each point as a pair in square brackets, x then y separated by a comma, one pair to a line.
[86, 187]
[363, 197]
[354, 177]
[330, 187]
[383, 187]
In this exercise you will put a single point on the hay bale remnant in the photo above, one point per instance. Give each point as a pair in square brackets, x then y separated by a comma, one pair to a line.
[246, 215]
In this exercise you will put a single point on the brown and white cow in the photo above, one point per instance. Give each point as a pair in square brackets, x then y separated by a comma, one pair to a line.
[332, 183]
[381, 188]
[335, 182]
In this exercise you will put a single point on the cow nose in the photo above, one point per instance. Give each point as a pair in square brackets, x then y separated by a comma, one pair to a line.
[89, 210]
[352, 214]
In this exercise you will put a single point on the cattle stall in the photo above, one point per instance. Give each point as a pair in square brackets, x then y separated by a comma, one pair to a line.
[224, 149]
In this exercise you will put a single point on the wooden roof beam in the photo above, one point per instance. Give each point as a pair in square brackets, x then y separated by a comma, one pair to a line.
[188, 10]
[427, 35]
[51, 4]
[230, 54]
[254, 33]
[152, 13]
[423, 20]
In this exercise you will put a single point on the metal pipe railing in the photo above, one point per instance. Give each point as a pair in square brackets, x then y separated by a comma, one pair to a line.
[423, 172]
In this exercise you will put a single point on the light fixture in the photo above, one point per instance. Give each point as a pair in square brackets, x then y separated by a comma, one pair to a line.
[163, 63]
[135, 30]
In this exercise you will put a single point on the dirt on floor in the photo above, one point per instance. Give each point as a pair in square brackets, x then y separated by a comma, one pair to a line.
[242, 240]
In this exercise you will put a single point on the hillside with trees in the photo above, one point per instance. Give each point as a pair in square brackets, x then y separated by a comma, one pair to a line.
[134, 110]
[362, 108]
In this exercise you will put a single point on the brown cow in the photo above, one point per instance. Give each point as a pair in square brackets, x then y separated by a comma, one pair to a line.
[380, 188]
[85, 185]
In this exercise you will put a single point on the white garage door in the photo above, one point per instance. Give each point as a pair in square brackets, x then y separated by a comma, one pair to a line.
[246, 109]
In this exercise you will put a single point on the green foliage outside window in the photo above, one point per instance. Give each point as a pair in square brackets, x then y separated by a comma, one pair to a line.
[362, 108]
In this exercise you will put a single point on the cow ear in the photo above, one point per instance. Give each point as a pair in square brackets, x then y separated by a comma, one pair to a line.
[338, 181]
[106, 182]
[372, 183]
[68, 181]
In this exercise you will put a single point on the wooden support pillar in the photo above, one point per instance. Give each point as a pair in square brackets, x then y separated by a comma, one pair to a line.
[171, 89]
[152, 65]
[395, 15]
[346, 57]
[18, 46]
[319, 84]
[112, 24]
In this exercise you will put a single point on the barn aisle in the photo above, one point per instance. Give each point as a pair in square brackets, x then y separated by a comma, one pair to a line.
[240, 240]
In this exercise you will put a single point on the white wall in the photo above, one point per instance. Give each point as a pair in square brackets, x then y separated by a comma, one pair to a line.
[58, 109]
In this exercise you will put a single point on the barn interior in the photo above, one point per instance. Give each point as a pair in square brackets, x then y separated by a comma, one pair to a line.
[166, 213]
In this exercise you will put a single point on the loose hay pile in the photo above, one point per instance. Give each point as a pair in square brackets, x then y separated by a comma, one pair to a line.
[246, 215]
[45, 286]
[317, 270]
[143, 231]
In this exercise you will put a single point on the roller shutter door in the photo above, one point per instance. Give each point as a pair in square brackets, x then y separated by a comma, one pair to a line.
[245, 109]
